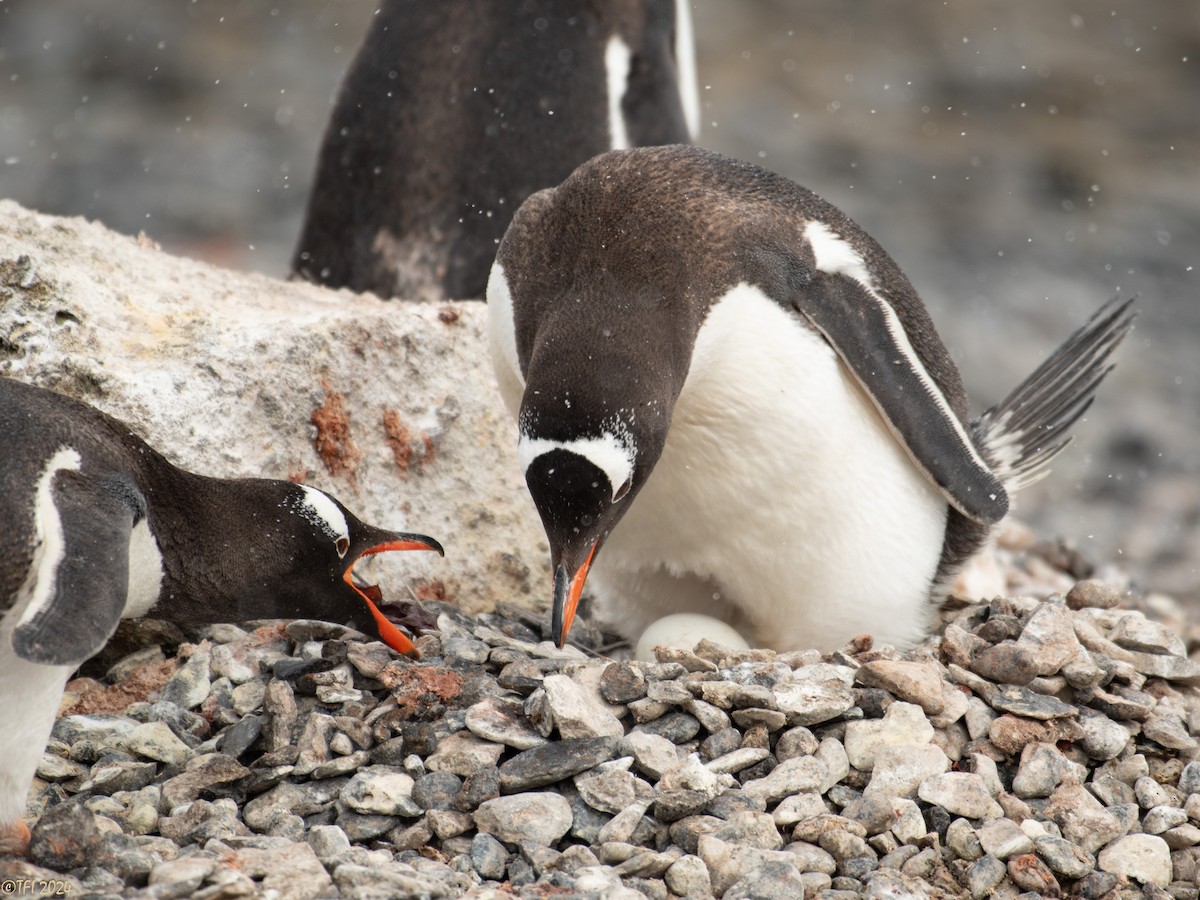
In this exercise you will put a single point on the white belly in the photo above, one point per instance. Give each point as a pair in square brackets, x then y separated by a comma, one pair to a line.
[781, 503]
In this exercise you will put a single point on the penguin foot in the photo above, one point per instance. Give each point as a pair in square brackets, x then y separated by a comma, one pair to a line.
[14, 839]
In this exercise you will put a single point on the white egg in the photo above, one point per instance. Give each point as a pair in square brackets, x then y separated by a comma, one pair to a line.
[686, 630]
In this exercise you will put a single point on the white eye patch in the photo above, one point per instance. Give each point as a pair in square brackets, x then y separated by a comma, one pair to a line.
[606, 453]
[317, 507]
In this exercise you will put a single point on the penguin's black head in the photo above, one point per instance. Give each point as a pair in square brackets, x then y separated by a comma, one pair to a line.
[319, 580]
[581, 488]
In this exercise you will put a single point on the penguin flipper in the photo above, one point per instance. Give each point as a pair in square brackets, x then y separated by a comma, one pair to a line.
[869, 338]
[72, 620]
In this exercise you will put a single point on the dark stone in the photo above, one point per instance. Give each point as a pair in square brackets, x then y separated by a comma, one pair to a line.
[292, 668]
[477, 788]
[520, 872]
[676, 727]
[725, 805]
[540, 766]
[622, 683]
[1022, 701]
[872, 701]
[937, 819]
[436, 790]
[488, 857]
[1095, 886]
[686, 832]
[760, 769]
[66, 837]
[389, 753]
[859, 867]
[724, 741]
[522, 676]
[239, 738]
[189, 727]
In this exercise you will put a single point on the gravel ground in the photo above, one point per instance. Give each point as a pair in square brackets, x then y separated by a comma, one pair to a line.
[1032, 745]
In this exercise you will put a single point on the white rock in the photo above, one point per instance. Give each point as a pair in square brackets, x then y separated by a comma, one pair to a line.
[1145, 858]
[413, 382]
[541, 818]
[381, 790]
[578, 712]
[960, 794]
[899, 770]
[902, 723]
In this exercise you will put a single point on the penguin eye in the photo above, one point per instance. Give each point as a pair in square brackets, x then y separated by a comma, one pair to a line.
[623, 489]
[342, 544]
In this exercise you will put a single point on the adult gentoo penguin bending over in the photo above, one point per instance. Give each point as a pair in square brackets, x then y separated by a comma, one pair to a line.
[452, 113]
[98, 526]
[732, 402]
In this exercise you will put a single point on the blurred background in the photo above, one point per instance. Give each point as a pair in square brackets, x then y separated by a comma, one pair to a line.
[1023, 162]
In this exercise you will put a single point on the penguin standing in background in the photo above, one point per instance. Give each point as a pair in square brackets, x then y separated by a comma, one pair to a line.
[98, 526]
[731, 402]
[453, 113]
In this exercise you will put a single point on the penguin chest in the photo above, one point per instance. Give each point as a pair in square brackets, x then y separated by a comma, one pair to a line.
[782, 493]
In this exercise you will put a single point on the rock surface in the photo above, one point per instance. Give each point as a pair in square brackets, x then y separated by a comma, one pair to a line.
[391, 407]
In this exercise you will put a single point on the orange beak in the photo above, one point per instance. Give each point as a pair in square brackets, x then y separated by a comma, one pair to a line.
[566, 598]
[389, 633]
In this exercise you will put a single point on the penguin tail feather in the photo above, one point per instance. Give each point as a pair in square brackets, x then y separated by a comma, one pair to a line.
[1021, 435]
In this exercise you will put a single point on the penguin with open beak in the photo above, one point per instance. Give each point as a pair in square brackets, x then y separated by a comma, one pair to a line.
[732, 402]
[99, 527]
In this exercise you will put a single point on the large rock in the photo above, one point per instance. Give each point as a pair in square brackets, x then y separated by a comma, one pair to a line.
[390, 406]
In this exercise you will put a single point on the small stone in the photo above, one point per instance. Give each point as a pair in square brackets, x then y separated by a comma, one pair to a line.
[960, 794]
[728, 864]
[329, 843]
[916, 682]
[1010, 733]
[1136, 632]
[1063, 857]
[903, 723]
[688, 877]
[279, 703]
[963, 841]
[1042, 769]
[1003, 838]
[768, 881]
[540, 818]
[798, 741]
[463, 753]
[577, 712]
[804, 773]
[356, 882]
[1169, 731]
[1144, 858]
[1051, 636]
[1189, 778]
[1161, 818]
[815, 693]
[737, 760]
[1150, 793]
[1031, 874]
[381, 790]
[610, 787]
[201, 774]
[899, 770]
[1182, 836]
[189, 686]
[185, 875]
[504, 722]
[1083, 820]
[1007, 662]
[436, 790]
[1021, 701]
[1093, 593]
[488, 856]
[1102, 737]
[553, 762]
[653, 754]
[155, 740]
[66, 837]
[796, 807]
[677, 727]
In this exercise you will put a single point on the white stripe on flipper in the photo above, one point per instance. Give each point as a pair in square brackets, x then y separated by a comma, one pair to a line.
[319, 509]
[685, 61]
[145, 572]
[51, 544]
[836, 256]
[608, 453]
[617, 58]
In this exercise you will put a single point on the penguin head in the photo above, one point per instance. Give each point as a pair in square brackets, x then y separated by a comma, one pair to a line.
[581, 488]
[319, 581]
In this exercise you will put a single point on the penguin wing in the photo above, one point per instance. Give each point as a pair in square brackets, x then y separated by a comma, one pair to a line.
[81, 594]
[867, 335]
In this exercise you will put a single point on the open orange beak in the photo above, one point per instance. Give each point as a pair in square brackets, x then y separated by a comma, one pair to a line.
[389, 633]
[566, 597]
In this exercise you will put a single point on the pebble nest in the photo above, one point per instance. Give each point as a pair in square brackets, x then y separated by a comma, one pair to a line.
[1043, 743]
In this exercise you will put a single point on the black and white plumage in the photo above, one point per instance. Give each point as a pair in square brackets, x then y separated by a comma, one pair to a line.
[453, 113]
[732, 402]
[98, 526]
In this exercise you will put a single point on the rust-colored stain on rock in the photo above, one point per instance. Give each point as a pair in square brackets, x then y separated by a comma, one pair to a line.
[91, 696]
[434, 589]
[400, 438]
[333, 443]
[421, 691]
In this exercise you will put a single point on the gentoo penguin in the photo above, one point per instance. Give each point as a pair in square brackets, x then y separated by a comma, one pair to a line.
[98, 526]
[731, 402]
[453, 113]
